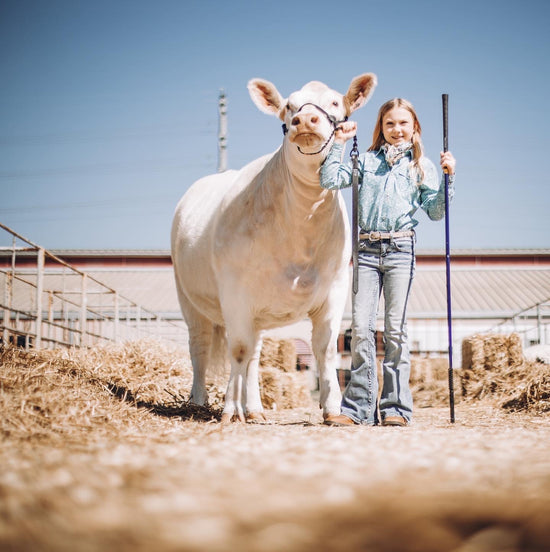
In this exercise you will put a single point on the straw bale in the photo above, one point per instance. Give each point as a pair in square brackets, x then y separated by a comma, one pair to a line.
[287, 354]
[278, 354]
[515, 350]
[473, 353]
[492, 352]
[281, 385]
[271, 388]
[503, 375]
[284, 390]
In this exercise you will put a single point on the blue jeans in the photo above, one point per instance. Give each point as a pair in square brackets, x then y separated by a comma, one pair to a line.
[388, 266]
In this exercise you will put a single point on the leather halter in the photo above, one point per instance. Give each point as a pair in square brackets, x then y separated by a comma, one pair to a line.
[332, 120]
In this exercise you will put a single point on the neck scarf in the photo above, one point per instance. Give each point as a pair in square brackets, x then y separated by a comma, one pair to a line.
[395, 153]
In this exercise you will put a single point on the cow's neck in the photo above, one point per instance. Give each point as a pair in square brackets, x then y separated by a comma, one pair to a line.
[300, 195]
[303, 187]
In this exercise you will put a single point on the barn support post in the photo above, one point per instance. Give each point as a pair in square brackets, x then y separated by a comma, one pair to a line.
[83, 310]
[8, 295]
[50, 317]
[539, 326]
[39, 293]
[6, 319]
[138, 321]
[115, 328]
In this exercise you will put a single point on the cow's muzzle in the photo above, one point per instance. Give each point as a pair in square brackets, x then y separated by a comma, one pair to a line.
[332, 120]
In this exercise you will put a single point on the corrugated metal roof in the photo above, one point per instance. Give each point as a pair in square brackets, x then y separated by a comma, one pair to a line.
[476, 292]
[501, 291]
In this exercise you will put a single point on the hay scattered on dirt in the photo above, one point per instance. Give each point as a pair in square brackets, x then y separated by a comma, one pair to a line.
[66, 389]
[56, 393]
[99, 451]
[494, 367]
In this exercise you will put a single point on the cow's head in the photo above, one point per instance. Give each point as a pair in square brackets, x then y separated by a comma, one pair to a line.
[311, 114]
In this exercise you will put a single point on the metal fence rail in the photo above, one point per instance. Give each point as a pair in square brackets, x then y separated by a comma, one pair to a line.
[532, 324]
[51, 303]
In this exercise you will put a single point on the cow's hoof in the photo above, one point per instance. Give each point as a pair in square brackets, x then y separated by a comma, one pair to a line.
[256, 418]
[230, 418]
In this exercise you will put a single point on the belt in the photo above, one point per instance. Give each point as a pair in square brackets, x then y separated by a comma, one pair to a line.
[377, 236]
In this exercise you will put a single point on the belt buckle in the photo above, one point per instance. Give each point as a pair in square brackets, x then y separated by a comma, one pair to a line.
[375, 236]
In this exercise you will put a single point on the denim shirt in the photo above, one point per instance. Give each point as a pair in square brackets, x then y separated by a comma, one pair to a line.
[388, 195]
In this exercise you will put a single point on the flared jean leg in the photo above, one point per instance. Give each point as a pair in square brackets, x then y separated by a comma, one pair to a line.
[359, 401]
[387, 266]
[396, 398]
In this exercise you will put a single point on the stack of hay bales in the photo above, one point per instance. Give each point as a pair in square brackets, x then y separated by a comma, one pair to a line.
[494, 367]
[281, 385]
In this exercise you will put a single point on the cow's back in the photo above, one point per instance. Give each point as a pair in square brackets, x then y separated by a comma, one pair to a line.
[193, 228]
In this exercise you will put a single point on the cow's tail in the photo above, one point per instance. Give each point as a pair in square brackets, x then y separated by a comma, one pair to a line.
[219, 360]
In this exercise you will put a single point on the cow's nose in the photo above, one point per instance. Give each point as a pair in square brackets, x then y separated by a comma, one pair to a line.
[309, 120]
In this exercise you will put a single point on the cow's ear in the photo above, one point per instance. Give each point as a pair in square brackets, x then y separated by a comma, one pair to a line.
[265, 96]
[359, 92]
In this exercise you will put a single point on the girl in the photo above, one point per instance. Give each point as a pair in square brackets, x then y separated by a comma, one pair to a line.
[395, 179]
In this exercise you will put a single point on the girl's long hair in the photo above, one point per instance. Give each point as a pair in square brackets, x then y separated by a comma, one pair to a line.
[417, 148]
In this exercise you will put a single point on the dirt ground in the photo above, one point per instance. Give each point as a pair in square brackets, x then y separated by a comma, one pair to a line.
[104, 470]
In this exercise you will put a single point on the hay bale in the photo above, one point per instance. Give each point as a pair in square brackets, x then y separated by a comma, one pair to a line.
[491, 352]
[502, 374]
[515, 350]
[278, 354]
[473, 352]
[287, 355]
[271, 388]
[281, 385]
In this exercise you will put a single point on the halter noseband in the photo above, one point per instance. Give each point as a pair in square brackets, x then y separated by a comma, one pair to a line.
[331, 118]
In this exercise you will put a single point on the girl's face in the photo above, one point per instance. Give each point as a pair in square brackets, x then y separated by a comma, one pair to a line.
[398, 126]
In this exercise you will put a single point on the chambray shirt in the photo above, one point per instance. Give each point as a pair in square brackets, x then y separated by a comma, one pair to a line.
[388, 195]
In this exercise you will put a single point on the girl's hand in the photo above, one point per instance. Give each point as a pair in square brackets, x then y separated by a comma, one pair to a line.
[345, 131]
[448, 162]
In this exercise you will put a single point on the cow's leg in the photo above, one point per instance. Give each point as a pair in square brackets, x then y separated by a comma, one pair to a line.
[253, 401]
[326, 323]
[324, 340]
[243, 350]
[201, 332]
[200, 336]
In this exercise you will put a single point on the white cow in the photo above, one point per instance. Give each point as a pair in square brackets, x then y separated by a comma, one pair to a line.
[266, 246]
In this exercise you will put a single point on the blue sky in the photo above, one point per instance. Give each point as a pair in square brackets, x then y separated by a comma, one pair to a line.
[108, 109]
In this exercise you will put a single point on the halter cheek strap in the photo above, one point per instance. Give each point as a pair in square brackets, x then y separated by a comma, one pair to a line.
[333, 121]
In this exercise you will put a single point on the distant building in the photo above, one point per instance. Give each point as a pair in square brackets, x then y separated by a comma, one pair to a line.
[510, 288]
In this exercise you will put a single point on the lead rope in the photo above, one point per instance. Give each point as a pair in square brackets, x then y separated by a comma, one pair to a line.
[354, 154]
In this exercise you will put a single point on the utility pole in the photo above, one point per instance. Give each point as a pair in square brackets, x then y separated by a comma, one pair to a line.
[222, 132]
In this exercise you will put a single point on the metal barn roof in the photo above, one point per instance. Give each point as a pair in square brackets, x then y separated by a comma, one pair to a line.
[476, 292]
[486, 291]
